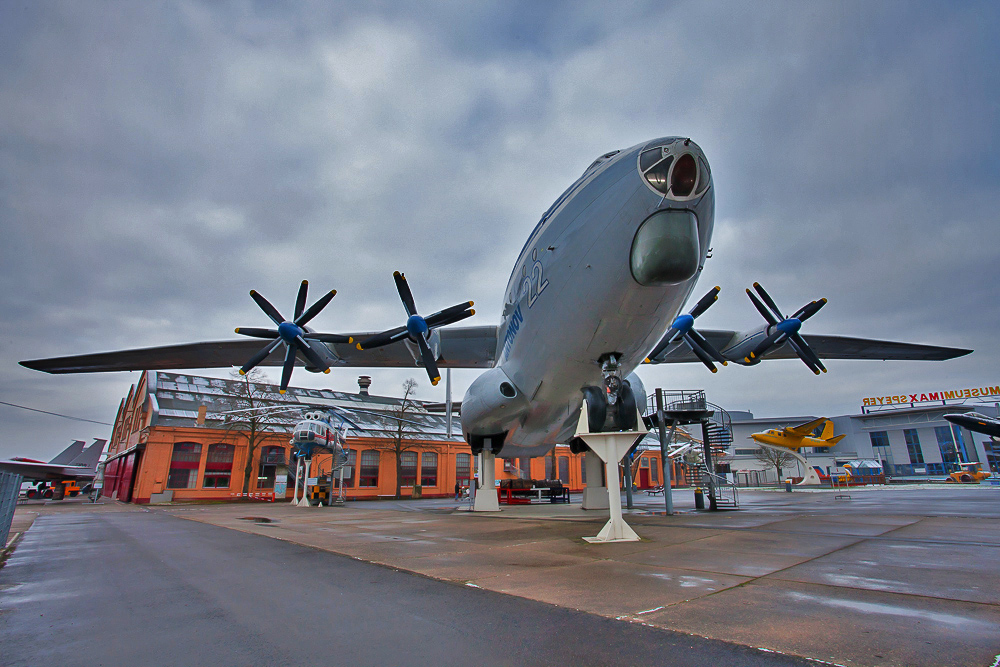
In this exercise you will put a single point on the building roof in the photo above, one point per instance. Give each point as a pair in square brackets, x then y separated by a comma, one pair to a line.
[176, 399]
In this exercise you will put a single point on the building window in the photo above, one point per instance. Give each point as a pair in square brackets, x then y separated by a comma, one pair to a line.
[408, 468]
[583, 470]
[654, 472]
[879, 438]
[184, 463]
[270, 458]
[368, 475]
[960, 441]
[352, 461]
[550, 466]
[564, 469]
[913, 446]
[946, 444]
[428, 469]
[218, 466]
[462, 464]
[644, 462]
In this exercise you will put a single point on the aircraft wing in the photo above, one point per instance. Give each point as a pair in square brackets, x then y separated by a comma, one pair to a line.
[461, 347]
[825, 347]
[804, 429]
[46, 471]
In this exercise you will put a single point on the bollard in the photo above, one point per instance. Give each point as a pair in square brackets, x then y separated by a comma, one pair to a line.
[788, 485]
[699, 499]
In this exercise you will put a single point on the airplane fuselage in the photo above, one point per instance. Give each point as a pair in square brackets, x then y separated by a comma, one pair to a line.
[573, 297]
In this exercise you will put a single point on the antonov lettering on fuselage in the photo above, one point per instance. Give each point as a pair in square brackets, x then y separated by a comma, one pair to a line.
[596, 291]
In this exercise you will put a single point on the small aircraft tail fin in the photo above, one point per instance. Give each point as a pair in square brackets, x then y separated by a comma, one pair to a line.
[827, 430]
[805, 429]
[67, 455]
[91, 456]
[835, 439]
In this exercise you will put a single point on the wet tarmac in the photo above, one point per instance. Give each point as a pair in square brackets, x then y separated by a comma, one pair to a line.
[888, 576]
[146, 588]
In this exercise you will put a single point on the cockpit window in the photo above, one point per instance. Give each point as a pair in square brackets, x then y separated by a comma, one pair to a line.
[704, 177]
[598, 161]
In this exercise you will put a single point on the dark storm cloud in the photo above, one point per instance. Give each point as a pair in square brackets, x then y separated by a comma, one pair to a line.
[159, 160]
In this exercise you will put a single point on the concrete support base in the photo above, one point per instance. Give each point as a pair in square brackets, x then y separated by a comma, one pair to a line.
[595, 496]
[486, 494]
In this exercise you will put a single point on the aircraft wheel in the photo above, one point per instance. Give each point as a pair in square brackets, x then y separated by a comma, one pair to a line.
[597, 408]
[625, 409]
[578, 446]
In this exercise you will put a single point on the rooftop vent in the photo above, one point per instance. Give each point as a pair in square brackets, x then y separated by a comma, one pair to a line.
[364, 381]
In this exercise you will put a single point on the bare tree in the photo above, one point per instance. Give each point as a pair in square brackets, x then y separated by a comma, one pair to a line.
[247, 399]
[402, 426]
[773, 458]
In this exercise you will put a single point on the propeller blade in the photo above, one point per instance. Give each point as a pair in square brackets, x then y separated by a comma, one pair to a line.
[384, 338]
[444, 317]
[808, 310]
[430, 363]
[259, 357]
[706, 347]
[286, 369]
[311, 354]
[314, 309]
[761, 309]
[702, 356]
[768, 300]
[765, 345]
[705, 302]
[806, 353]
[327, 337]
[668, 338]
[439, 316]
[266, 306]
[300, 301]
[257, 333]
[404, 293]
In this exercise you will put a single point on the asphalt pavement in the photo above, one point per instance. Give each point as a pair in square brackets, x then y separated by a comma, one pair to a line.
[135, 587]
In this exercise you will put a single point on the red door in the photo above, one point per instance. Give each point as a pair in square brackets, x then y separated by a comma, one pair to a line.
[644, 478]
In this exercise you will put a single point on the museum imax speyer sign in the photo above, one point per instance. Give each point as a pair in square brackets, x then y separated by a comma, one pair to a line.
[926, 397]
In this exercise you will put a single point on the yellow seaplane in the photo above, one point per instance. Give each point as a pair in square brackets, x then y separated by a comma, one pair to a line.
[793, 438]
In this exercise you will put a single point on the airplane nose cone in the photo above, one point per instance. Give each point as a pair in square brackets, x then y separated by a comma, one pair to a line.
[665, 250]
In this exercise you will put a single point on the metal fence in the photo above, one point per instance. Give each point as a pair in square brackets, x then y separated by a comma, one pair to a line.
[10, 488]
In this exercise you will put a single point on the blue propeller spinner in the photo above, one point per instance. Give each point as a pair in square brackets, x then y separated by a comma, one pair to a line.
[292, 334]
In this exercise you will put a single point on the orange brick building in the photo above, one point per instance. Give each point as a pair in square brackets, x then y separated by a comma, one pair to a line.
[171, 442]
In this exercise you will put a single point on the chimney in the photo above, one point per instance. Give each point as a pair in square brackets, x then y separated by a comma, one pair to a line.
[364, 381]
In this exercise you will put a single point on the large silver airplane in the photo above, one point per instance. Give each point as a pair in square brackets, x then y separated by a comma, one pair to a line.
[596, 291]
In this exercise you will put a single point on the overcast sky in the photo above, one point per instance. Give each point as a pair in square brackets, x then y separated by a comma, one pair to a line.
[159, 160]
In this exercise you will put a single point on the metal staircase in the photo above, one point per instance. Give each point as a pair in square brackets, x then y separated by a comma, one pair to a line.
[692, 407]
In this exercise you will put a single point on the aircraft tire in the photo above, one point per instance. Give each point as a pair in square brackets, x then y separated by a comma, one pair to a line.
[625, 409]
[597, 408]
[578, 446]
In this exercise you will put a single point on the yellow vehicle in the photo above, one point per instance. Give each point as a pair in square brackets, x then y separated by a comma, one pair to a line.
[971, 473]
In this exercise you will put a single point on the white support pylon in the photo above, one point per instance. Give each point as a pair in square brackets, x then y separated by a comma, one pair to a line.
[611, 447]
[305, 485]
[298, 475]
[486, 495]
[595, 494]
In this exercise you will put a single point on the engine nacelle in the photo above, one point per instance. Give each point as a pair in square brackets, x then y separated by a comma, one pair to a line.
[492, 405]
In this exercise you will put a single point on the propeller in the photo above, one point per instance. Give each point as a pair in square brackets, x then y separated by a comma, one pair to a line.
[417, 328]
[785, 328]
[683, 327]
[292, 334]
